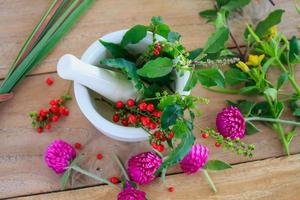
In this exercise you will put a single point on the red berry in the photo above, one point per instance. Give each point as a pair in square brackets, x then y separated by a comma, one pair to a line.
[77, 145]
[43, 112]
[116, 118]
[217, 144]
[152, 125]
[124, 122]
[171, 189]
[66, 112]
[205, 135]
[142, 106]
[130, 102]
[132, 119]
[163, 139]
[40, 118]
[99, 156]
[39, 129]
[171, 135]
[156, 52]
[54, 108]
[150, 107]
[55, 118]
[157, 134]
[145, 120]
[114, 180]
[160, 148]
[47, 126]
[54, 102]
[62, 110]
[154, 145]
[156, 113]
[119, 104]
[49, 81]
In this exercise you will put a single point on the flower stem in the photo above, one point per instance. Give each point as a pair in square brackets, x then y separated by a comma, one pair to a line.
[222, 90]
[281, 121]
[82, 171]
[121, 166]
[209, 180]
[294, 84]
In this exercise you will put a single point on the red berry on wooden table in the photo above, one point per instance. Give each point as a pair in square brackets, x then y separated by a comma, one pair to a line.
[77, 145]
[49, 81]
[99, 156]
[55, 118]
[171, 189]
[217, 144]
[205, 135]
[47, 126]
[114, 180]
[39, 129]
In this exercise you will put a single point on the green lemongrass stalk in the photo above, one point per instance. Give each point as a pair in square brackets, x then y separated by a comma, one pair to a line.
[29, 40]
[97, 178]
[209, 180]
[47, 43]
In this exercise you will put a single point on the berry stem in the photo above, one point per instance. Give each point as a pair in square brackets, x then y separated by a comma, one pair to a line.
[209, 180]
[82, 171]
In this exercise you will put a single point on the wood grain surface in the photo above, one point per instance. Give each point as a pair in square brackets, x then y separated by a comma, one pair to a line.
[260, 180]
[22, 169]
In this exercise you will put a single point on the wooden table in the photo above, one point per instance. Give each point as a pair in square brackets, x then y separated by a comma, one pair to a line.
[23, 174]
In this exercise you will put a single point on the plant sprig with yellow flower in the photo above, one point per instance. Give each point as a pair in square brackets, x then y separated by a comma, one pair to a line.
[266, 51]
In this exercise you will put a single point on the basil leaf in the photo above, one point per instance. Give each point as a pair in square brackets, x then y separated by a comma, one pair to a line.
[159, 67]
[235, 76]
[216, 165]
[180, 128]
[272, 19]
[163, 30]
[216, 41]
[134, 35]
[126, 66]
[281, 79]
[294, 49]
[195, 53]
[173, 36]
[234, 4]
[211, 15]
[156, 20]
[170, 115]
[211, 77]
[116, 50]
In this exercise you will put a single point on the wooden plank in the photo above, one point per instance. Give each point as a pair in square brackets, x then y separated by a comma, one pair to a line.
[267, 179]
[111, 15]
[22, 169]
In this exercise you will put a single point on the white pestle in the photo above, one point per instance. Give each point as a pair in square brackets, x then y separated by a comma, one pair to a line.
[111, 85]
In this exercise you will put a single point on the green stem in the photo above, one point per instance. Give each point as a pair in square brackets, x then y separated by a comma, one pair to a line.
[265, 119]
[294, 84]
[121, 166]
[284, 142]
[82, 171]
[222, 90]
[209, 180]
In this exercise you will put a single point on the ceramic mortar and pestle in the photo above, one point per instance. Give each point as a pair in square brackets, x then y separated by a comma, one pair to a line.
[91, 81]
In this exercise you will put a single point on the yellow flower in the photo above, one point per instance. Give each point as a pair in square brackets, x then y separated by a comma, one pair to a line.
[242, 66]
[255, 60]
[273, 31]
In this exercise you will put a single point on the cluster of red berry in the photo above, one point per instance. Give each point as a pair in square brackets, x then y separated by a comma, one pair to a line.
[146, 116]
[206, 135]
[157, 49]
[42, 119]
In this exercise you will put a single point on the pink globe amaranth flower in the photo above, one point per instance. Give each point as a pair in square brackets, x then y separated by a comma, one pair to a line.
[141, 167]
[195, 159]
[231, 123]
[58, 156]
[130, 193]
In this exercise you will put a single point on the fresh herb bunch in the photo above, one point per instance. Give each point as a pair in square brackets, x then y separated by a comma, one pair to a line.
[265, 50]
[154, 69]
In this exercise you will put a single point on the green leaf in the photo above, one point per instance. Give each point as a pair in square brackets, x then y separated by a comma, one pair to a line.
[271, 20]
[211, 77]
[195, 53]
[246, 107]
[216, 41]
[64, 179]
[294, 49]
[249, 90]
[156, 20]
[272, 93]
[192, 81]
[134, 35]
[234, 4]
[297, 112]
[163, 30]
[251, 128]
[211, 15]
[173, 36]
[116, 50]
[170, 115]
[128, 67]
[159, 67]
[235, 76]
[178, 153]
[216, 165]
[281, 79]
[180, 128]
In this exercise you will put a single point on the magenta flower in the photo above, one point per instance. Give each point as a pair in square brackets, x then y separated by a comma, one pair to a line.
[195, 159]
[58, 156]
[141, 167]
[231, 123]
[130, 193]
